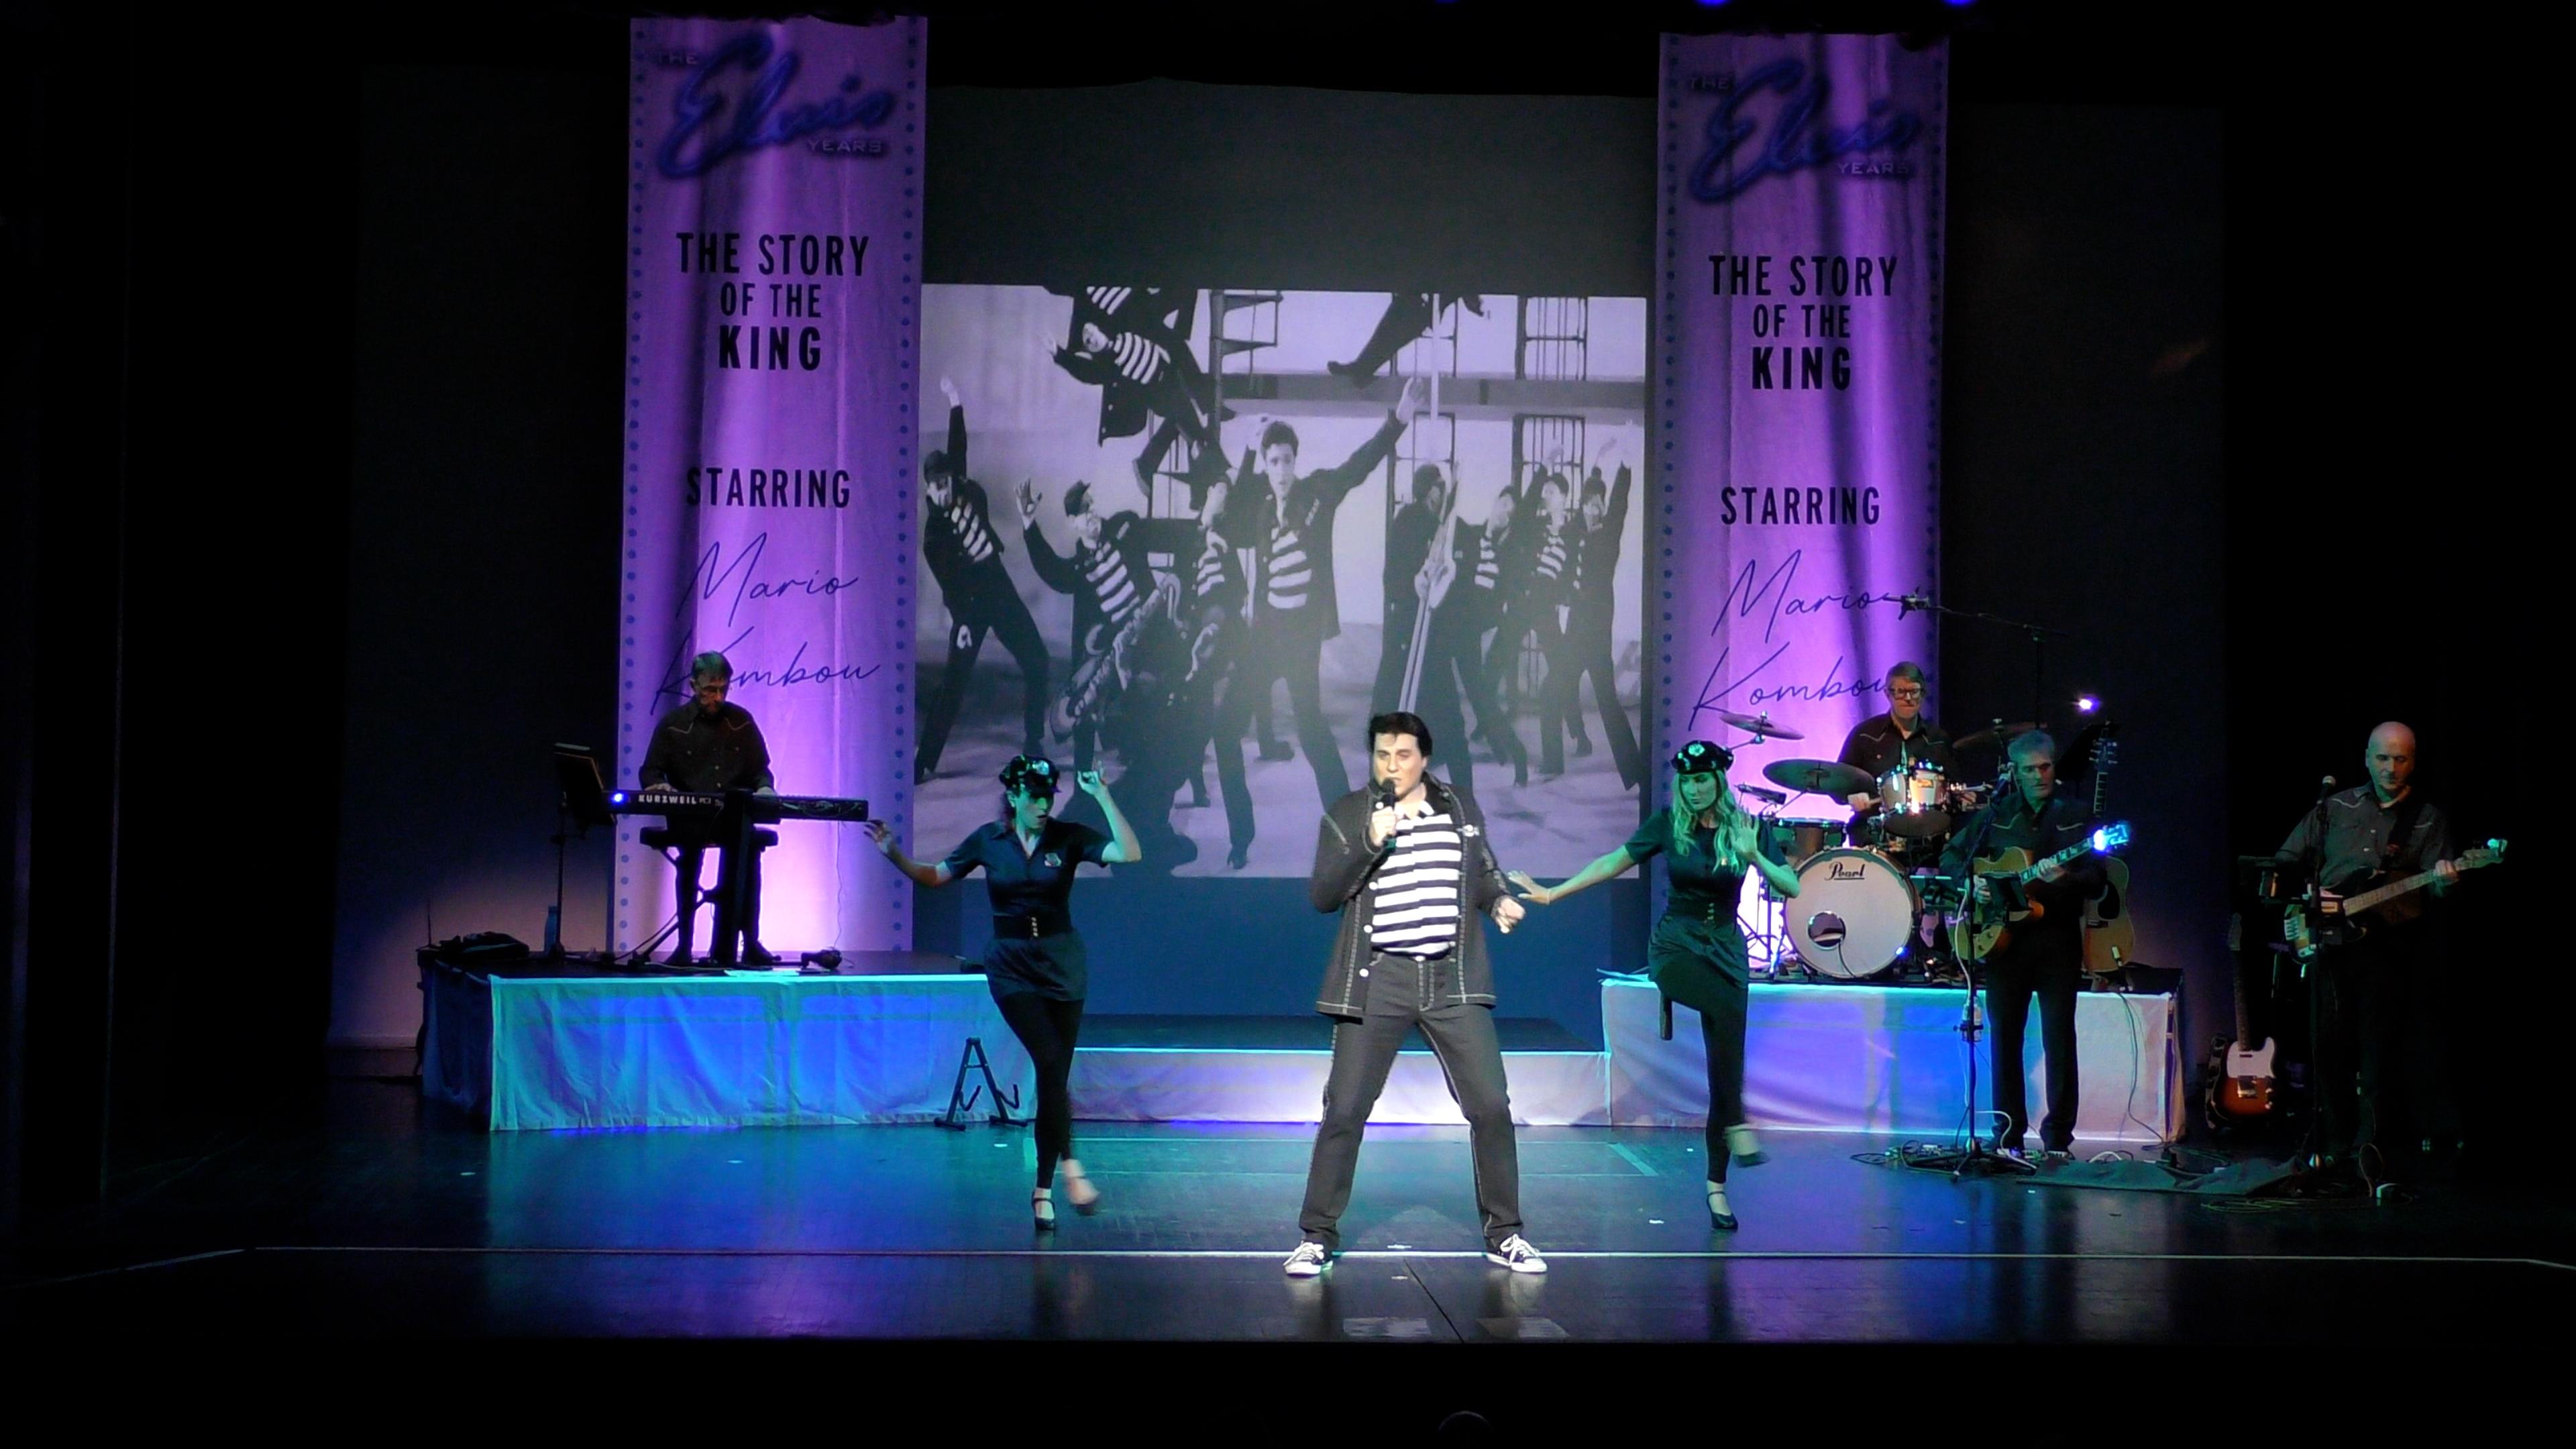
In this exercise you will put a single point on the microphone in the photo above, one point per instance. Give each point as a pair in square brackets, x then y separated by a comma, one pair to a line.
[1385, 794]
[2325, 787]
[1908, 603]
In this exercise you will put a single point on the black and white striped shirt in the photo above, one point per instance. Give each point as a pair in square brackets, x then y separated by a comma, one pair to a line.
[1414, 911]
[1551, 555]
[1110, 583]
[1108, 299]
[1138, 360]
[1216, 562]
[1290, 570]
[967, 523]
[1489, 564]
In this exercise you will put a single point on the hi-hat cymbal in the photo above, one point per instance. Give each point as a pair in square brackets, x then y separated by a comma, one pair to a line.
[2000, 734]
[1824, 777]
[1759, 724]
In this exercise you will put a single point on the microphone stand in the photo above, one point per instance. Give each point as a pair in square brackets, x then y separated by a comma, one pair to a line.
[1974, 1160]
[2038, 634]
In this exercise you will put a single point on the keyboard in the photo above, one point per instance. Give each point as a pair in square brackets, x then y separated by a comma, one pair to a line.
[764, 808]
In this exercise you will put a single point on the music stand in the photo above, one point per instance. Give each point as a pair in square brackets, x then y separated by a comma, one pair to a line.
[581, 802]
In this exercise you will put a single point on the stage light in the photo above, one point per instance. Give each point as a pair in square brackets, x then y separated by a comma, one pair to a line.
[616, 797]
[2087, 704]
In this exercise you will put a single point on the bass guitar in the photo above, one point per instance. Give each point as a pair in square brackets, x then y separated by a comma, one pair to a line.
[1987, 928]
[2355, 913]
[2240, 1074]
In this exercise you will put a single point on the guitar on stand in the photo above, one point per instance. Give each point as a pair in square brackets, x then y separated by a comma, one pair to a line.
[2240, 1080]
[2110, 932]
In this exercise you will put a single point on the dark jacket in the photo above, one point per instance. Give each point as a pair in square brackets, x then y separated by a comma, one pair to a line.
[1597, 564]
[1066, 575]
[2057, 824]
[1313, 502]
[1875, 746]
[694, 753]
[942, 545]
[1345, 869]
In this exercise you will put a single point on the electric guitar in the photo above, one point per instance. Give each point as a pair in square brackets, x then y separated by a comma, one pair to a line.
[2348, 925]
[1986, 929]
[2240, 1076]
[2110, 932]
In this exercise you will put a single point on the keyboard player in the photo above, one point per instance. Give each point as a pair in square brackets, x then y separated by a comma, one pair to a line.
[710, 746]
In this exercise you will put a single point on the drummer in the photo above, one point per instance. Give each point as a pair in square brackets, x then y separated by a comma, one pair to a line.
[1900, 738]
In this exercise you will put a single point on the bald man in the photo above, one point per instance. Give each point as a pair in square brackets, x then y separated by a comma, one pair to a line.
[2361, 994]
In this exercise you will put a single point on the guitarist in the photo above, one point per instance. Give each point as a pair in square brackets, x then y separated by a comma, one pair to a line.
[2043, 954]
[2359, 994]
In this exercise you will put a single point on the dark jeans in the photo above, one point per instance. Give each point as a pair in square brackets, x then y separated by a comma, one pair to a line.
[728, 935]
[1587, 651]
[1292, 651]
[1048, 1028]
[2368, 1037]
[993, 607]
[1502, 661]
[2050, 966]
[1471, 1057]
[1395, 655]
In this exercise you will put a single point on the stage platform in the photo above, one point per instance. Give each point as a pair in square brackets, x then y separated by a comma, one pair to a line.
[1861, 1057]
[385, 1221]
[529, 1046]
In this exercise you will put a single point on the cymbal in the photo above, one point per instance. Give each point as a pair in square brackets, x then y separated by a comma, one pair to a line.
[1824, 777]
[1759, 724]
[2000, 734]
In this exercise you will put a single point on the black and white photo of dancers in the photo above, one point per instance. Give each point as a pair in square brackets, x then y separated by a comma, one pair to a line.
[1215, 531]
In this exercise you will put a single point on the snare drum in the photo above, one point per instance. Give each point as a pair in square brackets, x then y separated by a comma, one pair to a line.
[1802, 836]
[1854, 914]
[1910, 801]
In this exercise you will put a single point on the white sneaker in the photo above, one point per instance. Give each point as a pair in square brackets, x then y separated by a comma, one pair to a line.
[1516, 1254]
[1309, 1261]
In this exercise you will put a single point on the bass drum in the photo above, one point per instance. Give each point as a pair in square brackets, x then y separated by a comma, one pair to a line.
[1854, 914]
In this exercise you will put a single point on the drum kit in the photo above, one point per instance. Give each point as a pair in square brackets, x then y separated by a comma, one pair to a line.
[1863, 882]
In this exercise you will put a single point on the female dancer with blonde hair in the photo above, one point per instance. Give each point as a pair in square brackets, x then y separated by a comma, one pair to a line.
[1709, 845]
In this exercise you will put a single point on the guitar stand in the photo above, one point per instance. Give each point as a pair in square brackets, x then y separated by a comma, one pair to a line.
[962, 1098]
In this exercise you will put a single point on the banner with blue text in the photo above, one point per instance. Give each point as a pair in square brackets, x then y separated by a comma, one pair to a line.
[772, 333]
[1798, 326]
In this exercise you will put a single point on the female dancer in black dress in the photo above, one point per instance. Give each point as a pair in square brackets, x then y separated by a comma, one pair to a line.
[1696, 955]
[1035, 964]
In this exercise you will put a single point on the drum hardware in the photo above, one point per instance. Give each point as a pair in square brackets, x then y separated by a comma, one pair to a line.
[1798, 837]
[1854, 914]
[1910, 798]
[1998, 733]
[1759, 726]
[1818, 777]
